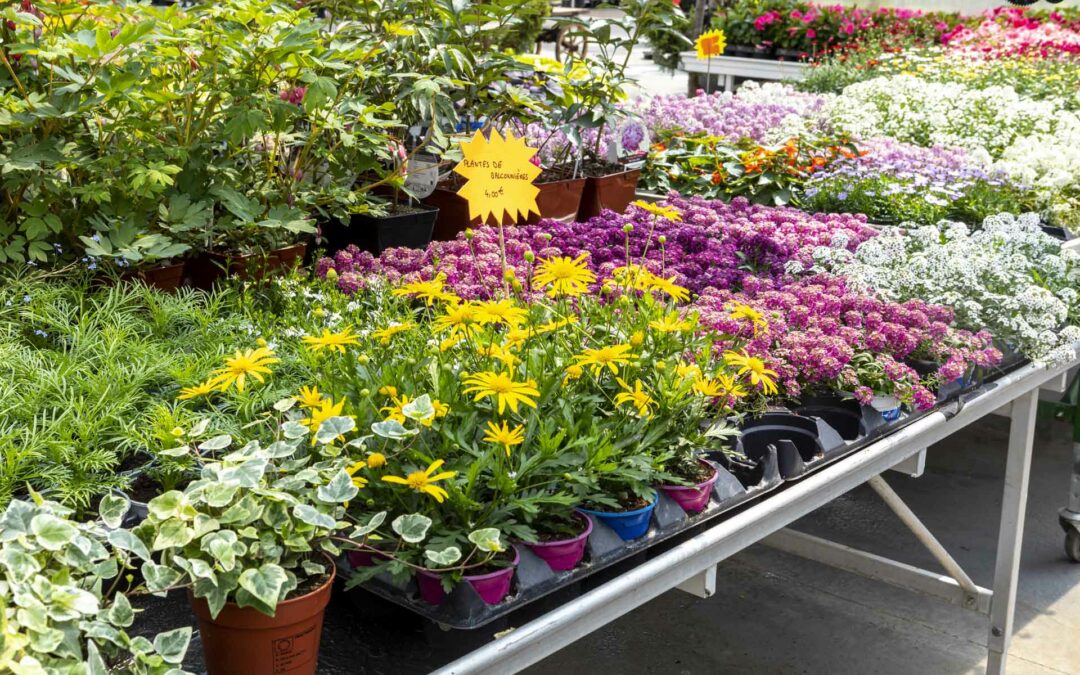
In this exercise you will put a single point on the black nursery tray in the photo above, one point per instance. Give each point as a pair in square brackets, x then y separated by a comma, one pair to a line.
[783, 445]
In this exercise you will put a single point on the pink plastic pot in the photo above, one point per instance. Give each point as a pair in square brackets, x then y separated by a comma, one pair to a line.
[694, 498]
[492, 587]
[564, 554]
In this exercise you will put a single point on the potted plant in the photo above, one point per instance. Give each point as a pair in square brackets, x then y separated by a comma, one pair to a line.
[150, 257]
[67, 614]
[250, 539]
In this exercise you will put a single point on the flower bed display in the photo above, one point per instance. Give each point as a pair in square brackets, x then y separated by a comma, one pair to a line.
[468, 425]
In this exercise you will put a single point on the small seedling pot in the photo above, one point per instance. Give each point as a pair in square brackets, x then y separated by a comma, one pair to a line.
[492, 587]
[628, 525]
[693, 498]
[564, 554]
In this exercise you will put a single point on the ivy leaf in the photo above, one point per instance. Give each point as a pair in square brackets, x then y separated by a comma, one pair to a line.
[411, 527]
[392, 429]
[445, 557]
[172, 645]
[126, 541]
[264, 584]
[371, 526]
[312, 516]
[52, 533]
[294, 430]
[334, 427]
[339, 489]
[120, 612]
[419, 409]
[112, 510]
[487, 539]
[159, 577]
[216, 443]
[20, 565]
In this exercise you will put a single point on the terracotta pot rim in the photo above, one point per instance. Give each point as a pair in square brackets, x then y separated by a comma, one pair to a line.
[284, 603]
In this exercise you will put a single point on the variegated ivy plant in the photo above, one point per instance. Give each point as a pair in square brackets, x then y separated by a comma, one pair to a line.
[59, 609]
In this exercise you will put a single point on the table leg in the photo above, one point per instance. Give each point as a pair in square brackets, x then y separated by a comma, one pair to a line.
[1011, 532]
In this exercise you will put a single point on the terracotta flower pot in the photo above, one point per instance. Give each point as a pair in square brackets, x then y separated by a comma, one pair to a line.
[492, 587]
[558, 199]
[165, 277]
[693, 498]
[206, 269]
[614, 191]
[244, 640]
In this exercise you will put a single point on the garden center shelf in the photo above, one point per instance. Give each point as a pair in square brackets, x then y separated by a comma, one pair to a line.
[727, 68]
[690, 563]
[782, 445]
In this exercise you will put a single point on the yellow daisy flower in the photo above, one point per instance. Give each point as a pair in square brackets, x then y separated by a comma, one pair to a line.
[669, 212]
[605, 357]
[428, 291]
[504, 435]
[309, 397]
[201, 389]
[422, 481]
[358, 481]
[503, 388]
[334, 342]
[499, 353]
[756, 318]
[502, 311]
[722, 386]
[376, 460]
[384, 335]
[671, 323]
[564, 276]
[252, 363]
[462, 319]
[637, 397]
[754, 369]
[668, 287]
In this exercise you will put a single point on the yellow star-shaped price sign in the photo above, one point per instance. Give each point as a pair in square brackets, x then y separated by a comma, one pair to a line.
[499, 177]
[711, 43]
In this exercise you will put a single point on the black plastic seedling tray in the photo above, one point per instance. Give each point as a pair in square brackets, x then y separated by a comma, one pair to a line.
[783, 445]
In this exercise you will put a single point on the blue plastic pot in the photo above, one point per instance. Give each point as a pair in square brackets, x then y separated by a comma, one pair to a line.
[627, 524]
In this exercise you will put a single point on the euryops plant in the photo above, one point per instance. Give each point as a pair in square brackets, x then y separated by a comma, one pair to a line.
[61, 610]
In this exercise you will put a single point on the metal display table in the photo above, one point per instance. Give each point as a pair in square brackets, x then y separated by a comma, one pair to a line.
[727, 68]
[691, 565]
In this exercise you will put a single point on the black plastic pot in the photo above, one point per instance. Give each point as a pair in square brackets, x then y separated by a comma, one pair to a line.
[782, 54]
[798, 441]
[844, 415]
[410, 229]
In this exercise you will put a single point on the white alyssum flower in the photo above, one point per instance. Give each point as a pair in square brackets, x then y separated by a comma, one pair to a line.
[1009, 277]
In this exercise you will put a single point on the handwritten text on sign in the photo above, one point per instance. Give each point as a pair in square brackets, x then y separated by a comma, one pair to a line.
[499, 177]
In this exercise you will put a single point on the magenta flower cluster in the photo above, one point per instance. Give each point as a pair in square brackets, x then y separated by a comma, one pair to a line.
[817, 325]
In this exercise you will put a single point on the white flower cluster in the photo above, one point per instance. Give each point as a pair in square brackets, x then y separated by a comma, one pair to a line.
[1009, 277]
[1034, 142]
[948, 114]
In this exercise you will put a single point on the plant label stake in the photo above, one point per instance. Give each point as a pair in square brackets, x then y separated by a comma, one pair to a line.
[499, 177]
[708, 45]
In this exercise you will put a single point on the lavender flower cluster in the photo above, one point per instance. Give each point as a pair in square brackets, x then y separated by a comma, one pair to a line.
[767, 113]
[715, 245]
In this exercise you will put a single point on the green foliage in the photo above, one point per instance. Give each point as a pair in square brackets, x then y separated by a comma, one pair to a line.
[87, 375]
[59, 611]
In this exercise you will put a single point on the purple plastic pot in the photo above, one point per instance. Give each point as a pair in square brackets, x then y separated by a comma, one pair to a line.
[491, 587]
[364, 558]
[564, 554]
[692, 498]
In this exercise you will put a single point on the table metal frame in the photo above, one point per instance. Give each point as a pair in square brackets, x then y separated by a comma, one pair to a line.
[691, 565]
[727, 68]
